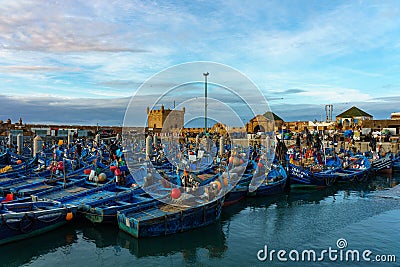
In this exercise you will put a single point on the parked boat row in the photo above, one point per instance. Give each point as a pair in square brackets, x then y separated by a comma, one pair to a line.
[156, 196]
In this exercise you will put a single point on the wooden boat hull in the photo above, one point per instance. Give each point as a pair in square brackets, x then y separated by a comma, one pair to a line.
[382, 165]
[106, 211]
[238, 193]
[153, 221]
[358, 171]
[273, 183]
[269, 189]
[303, 177]
[352, 175]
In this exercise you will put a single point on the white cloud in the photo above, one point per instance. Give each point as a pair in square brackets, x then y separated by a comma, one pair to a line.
[335, 95]
[346, 29]
[95, 44]
[37, 69]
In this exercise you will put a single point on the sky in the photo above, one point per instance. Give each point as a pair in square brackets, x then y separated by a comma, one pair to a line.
[80, 62]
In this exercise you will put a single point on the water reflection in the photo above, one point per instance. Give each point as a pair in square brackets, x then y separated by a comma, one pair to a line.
[271, 217]
[211, 238]
[25, 251]
[102, 236]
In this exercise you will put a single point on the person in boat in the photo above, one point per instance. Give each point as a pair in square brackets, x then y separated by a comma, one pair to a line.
[113, 149]
[79, 149]
[298, 141]
[254, 153]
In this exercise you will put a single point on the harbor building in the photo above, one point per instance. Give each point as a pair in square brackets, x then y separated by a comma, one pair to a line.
[353, 118]
[265, 122]
[159, 119]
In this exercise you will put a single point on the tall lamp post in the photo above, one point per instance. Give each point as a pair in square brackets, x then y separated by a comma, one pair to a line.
[205, 101]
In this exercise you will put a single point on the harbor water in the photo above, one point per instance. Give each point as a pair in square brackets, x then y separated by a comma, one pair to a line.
[301, 220]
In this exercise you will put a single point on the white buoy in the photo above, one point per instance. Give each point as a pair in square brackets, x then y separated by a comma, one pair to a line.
[10, 140]
[155, 140]
[37, 145]
[70, 138]
[20, 143]
[97, 139]
[221, 146]
[148, 147]
[118, 137]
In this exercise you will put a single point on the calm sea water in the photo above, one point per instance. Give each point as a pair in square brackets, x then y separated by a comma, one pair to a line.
[300, 220]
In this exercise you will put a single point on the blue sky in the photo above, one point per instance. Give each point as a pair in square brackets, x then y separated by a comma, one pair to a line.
[79, 61]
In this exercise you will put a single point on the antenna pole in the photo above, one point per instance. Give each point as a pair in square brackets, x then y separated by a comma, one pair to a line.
[205, 101]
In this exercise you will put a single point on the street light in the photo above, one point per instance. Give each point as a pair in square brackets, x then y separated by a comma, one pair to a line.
[205, 101]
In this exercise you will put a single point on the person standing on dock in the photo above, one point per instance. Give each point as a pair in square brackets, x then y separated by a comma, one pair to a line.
[372, 142]
[308, 139]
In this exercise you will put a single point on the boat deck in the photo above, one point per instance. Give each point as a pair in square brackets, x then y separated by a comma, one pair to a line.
[90, 198]
[155, 212]
[25, 182]
[65, 192]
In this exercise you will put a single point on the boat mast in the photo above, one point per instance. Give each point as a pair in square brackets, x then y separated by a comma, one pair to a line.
[205, 102]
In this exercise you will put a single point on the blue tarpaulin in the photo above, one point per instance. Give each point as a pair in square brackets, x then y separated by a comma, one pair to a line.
[348, 133]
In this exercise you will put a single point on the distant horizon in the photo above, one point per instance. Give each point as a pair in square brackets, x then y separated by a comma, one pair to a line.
[298, 113]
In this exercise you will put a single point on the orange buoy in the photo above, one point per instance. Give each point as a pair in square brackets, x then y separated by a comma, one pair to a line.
[69, 216]
[175, 193]
[113, 168]
[259, 164]
[231, 159]
[218, 184]
[87, 171]
[225, 180]
[9, 197]
[19, 161]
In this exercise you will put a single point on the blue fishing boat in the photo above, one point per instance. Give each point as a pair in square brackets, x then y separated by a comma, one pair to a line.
[24, 220]
[383, 164]
[356, 169]
[300, 176]
[28, 187]
[23, 168]
[160, 219]
[237, 193]
[101, 206]
[319, 173]
[63, 190]
[396, 161]
[272, 183]
[105, 210]
[10, 185]
[240, 190]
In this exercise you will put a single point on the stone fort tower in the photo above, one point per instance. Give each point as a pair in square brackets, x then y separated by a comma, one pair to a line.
[164, 118]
